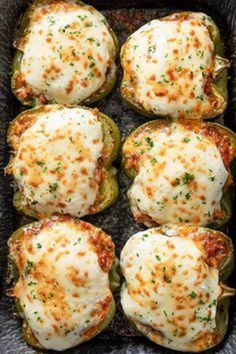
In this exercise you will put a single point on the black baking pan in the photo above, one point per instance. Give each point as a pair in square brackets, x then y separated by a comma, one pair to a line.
[124, 17]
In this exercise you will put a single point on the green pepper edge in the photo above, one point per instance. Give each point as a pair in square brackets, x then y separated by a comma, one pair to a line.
[13, 276]
[102, 91]
[226, 200]
[109, 188]
[219, 84]
[225, 270]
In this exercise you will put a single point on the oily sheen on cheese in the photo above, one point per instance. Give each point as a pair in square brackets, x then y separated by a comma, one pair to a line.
[166, 64]
[170, 293]
[56, 161]
[62, 289]
[181, 177]
[67, 52]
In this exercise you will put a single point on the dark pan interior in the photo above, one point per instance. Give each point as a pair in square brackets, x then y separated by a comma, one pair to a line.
[124, 17]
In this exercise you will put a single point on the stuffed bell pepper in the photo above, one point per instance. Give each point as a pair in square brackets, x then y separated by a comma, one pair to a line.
[62, 161]
[174, 292]
[174, 67]
[63, 272]
[65, 53]
[181, 171]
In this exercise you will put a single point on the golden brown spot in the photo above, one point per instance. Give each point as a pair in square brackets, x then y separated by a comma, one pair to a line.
[56, 329]
[140, 279]
[76, 295]
[85, 83]
[170, 73]
[42, 99]
[84, 171]
[70, 86]
[153, 77]
[104, 249]
[61, 254]
[95, 141]
[180, 307]
[149, 191]
[161, 93]
[81, 254]
[75, 278]
[197, 43]
[97, 72]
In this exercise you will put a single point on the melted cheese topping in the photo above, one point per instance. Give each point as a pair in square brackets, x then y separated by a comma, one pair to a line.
[166, 65]
[57, 159]
[67, 52]
[62, 289]
[170, 292]
[181, 178]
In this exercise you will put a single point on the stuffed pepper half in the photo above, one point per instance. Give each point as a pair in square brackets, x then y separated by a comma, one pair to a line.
[61, 161]
[63, 272]
[181, 171]
[174, 292]
[65, 53]
[174, 67]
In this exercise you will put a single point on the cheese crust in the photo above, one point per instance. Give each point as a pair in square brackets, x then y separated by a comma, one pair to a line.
[56, 163]
[68, 52]
[63, 286]
[181, 172]
[169, 65]
[172, 285]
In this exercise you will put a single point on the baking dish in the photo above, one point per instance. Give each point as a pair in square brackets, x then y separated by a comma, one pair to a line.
[124, 17]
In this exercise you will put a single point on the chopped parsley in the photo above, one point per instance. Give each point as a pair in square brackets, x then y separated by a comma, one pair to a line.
[166, 278]
[200, 97]
[90, 74]
[152, 48]
[67, 331]
[53, 187]
[32, 283]
[137, 143]
[153, 160]
[78, 241]
[164, 79]
[193, 295]
[204, 319]
[28, 267]
[188, 195]
[149, 141]
[58, 168]
[40, 163]
[188, 178]
[200, 302]
[91, 39]
[82, 18]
